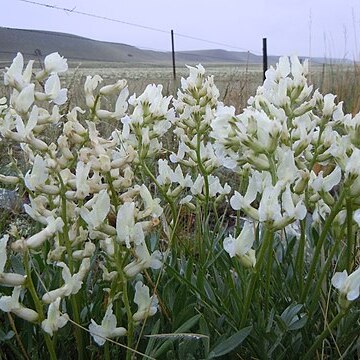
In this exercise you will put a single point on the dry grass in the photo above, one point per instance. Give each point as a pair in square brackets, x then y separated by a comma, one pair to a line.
[342, 80]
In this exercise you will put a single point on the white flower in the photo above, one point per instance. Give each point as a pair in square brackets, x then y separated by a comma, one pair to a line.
[268, 131]
[326, 183]
[348, 285]
[14, 75]
[185, 200]
[216, 188]
[88, 251]
[147, 306]
[82, 173]
[99, 210]
[55, 320]
[121, 106]
[269, 207]
[152, 206]
[286, 171]
[197, 187]
[107, 329]
[297, 212]
[178, 177]
[54, 63]
[11, 279]
[38, 174]
[221, 127]
[329, 105]
[241, 246]
[165, 173]
[25, 131]
[53, 90]
[72, 284]
[11, 304]
[23, 100]
[126, 229]
[54, 226]
[90, 85]
[113, 88]
[239, 202]
[143, 260]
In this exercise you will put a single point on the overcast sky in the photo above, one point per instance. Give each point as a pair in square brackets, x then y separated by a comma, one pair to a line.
[304, 27]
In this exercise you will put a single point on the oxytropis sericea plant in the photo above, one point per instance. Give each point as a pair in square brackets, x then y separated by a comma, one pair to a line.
[295, 148]
[81, 190]
[298, 151]
[195, 105]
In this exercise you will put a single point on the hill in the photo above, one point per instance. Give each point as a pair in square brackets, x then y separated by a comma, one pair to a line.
[32, 43]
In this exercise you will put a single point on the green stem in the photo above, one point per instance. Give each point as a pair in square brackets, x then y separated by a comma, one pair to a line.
[130, 322]
[350, 235]
[272, 168]
[300, 255]
[323, 335]
[74, 303]
[268, 273]
[320, 280]
[38, 306]
[319, 245]
[204, 173]
[107, 351]
[122, 286]
[114, 197]
[93, 109]
[267, 239]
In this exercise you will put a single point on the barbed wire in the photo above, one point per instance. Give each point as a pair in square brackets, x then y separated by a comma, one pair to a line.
[144, 27]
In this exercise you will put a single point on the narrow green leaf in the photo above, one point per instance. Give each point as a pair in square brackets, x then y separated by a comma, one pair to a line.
[181, 329]
[152, 340]
[230, 343]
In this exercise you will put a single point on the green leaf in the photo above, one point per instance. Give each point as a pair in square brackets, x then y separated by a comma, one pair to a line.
[152, 340]
[181, 329]
[204, 329]
[231, 343]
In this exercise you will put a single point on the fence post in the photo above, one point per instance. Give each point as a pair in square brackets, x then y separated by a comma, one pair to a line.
[265, 58]
[173, 54]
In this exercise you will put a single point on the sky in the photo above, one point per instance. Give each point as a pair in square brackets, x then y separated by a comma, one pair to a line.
[308, 28]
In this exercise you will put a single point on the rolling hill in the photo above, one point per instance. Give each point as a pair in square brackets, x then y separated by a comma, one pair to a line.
[36, 43]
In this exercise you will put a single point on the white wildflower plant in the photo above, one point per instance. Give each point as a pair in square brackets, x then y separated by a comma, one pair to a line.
[81, 191]
[108, 209]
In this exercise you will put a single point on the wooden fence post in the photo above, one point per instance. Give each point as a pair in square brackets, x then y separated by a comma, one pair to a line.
[265, 58]
[173, 54]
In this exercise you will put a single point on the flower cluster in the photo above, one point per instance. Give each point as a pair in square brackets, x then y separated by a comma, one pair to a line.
[81, 189]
